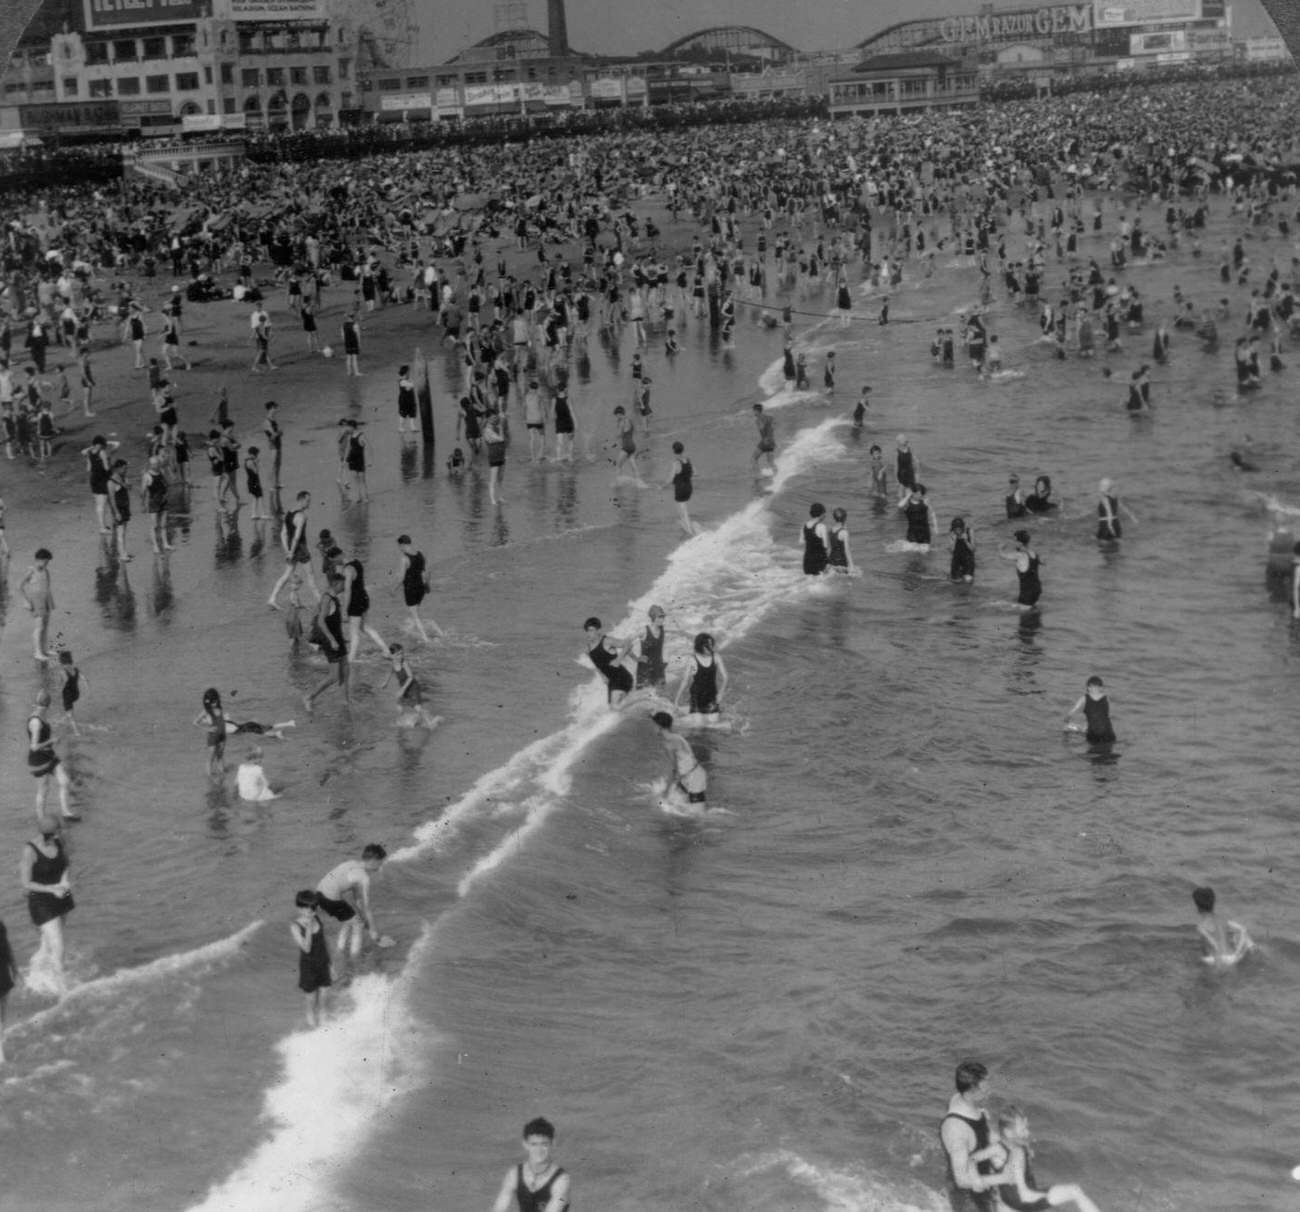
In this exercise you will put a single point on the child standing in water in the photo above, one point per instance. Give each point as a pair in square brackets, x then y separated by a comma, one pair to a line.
[314, 975]
[961, 541]
[72, 684]
[1096, 711]
[1018, 1190]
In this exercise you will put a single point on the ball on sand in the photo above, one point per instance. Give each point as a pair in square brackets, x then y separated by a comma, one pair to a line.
[327, 352]
[1295, 1173]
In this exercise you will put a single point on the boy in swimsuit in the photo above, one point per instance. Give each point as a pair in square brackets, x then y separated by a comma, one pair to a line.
[1220, 950]
[538, 1184]
[610, 657]
[344, 893]
[1096, 709]
[685, 772]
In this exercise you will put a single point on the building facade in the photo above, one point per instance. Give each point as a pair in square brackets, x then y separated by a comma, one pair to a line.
[908, 82]
[168, 67]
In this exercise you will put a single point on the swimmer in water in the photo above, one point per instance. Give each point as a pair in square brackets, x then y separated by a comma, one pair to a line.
[860, 409]
[685, 771]
[879, 474]
[1017, 1188]
[706, 680]
[961, 541]
[611, 659]
[1027, 563]
[1096, 711]
[1219, 951]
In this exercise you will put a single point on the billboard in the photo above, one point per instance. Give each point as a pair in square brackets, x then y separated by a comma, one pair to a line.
[123, 14]
[406, 101]
[1157, 44]
[1017, 25]
[1112, 13]
[269, 10]
[70, 117]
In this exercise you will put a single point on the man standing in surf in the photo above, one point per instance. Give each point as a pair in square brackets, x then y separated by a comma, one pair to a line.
[967, 1140]
[538, 1184]
[765, 452]
[344, 894]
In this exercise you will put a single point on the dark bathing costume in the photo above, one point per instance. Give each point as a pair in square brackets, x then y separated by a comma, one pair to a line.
[1011, 1196]
[682, 485]
[838, 557]
[534, 1201]
[607, 663]
[413, 579]
[815, 555]
[1108, 530]
[1099, 731]
[45, 906]
[963, 559]
[41, 759]
[704, 688]
[314, 964]
[1031, 588]
[972, 1201]
[917, 514]
[650, 669]
[358, 599]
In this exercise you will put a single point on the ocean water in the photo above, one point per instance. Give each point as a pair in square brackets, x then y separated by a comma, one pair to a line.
[906, 863]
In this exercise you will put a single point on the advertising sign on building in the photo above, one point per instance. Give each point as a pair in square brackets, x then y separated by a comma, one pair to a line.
[204, 122]
[1112, 13]
[269, 10]
[70, 117]
[1017, 25]
[122, 14]
[1263, 49]
[406, 101]
[1157, 44]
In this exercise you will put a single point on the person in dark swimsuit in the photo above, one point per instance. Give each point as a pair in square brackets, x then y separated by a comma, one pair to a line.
[538, 1184]
[839, 556]
[274, 441]
[42, 762]
[314, 975]
[1040, 500]
[706, 679]
[685, 773]
[962, 541]
[73, 680]
[816, 553]
[48, 884]
[1096, 712]
[357, 605]
[415, 584]
[967, 1141]
[1015, 502]
[920, 516]
[297, 555]
[608, 655]
[327, 633]
[1027, 562]
[650, 667]
[906, 465]
[213, 717]
[1017, 1187]
[1108, 511]
[8, 979]
[683, 486]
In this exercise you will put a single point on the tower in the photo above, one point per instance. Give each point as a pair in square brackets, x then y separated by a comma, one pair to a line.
[557, 28]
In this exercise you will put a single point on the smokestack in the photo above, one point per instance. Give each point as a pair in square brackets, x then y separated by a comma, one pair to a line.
[557, 28]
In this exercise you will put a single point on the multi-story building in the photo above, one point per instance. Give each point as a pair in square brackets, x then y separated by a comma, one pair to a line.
[171, 66]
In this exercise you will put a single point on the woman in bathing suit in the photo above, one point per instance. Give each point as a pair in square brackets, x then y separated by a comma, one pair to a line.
[706, 679]
[1018, 1190]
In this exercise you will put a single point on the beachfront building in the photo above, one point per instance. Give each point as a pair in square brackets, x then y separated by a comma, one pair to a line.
[106, 68]
[904, 83]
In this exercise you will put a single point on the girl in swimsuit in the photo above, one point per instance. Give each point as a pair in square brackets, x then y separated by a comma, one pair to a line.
[1018, 1190]
[706, 680]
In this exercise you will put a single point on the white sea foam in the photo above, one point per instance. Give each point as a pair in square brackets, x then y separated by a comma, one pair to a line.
[186, 962]
[339, 1081]
[847, 1190]
[722, 580]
